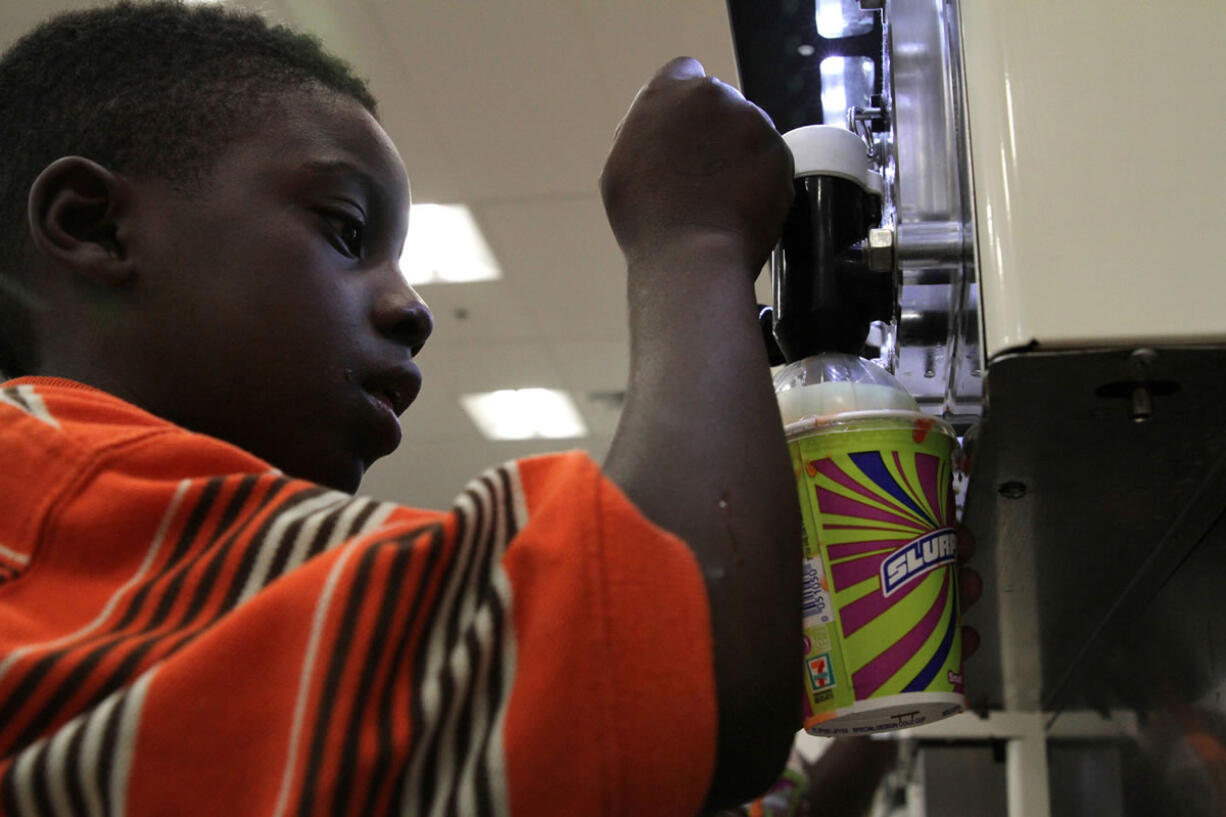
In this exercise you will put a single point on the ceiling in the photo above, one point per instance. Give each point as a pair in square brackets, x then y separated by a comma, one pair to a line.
[508, 107]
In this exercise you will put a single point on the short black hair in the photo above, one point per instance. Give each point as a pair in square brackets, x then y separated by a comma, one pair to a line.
[150, 89]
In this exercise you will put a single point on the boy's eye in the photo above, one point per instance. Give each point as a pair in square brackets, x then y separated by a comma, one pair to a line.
[346, 233]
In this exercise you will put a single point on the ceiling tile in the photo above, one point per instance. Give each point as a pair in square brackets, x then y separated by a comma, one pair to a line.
[511, 365]
[634, 37]
[510, 88]
[563, 262]
[481, 312]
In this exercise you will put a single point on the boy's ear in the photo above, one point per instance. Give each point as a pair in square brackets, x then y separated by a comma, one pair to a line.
[74, 208]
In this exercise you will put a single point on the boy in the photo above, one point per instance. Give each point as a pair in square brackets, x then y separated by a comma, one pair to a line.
[201, 227]
[211, 341]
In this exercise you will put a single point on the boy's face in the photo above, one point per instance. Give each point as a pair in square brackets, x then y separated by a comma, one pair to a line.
[273, 313]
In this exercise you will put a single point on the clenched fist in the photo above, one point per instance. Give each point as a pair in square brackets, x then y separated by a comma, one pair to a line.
[694, 161]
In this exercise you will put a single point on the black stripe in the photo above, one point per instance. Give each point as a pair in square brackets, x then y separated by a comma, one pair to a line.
[508, 503]
[319, 542]
[141, 643]
[383, 758]
[34, 677]
[464, 724]
[431, 749]
[106, 754]
[356, 527]
[485, 597]
[376, 650]
[254, 547]
[72, 771]
[417, 712]
[38, 782]
[8, 788]
[205, 503]
[236, 504]
[19, 399]
[207, 582]
[79, 674]
[280, 556]
[21, 693]
[363, 517]
[279, 559]
[46, 714]
[336, 666]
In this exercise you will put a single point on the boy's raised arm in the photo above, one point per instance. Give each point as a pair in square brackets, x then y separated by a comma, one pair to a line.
[696, 188]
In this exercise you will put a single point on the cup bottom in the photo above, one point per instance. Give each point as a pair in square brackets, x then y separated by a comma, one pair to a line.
[886, 714]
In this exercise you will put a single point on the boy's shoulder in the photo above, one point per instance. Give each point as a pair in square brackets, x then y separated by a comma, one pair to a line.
[69, 421]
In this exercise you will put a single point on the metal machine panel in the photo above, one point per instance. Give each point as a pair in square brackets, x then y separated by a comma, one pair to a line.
[1098, 177]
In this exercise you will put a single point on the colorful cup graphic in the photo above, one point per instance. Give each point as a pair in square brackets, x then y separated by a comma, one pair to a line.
[881, 620]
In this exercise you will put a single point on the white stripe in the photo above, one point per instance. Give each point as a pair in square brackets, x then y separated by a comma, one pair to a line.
[460, 661]
[23, 780]
[485, 752]
[340, 530]
[57, 756]
[125, 746]
[13, 556]
[466, 786]
[156, 545]
[322, 504]
[304, 679]
[38, 408]
[431, 683]
[91, 752]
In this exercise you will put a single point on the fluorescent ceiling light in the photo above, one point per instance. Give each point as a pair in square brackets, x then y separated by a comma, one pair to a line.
[846, 82]
[524, 414]
[842, 18]
[444, 246]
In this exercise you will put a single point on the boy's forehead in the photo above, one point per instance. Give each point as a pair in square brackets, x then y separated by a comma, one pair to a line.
[325, 133]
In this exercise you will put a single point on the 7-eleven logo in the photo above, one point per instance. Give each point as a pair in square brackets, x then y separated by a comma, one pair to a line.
[820, 672]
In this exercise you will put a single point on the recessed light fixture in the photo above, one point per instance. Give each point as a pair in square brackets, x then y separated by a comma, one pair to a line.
[444, 246]
[525, 414]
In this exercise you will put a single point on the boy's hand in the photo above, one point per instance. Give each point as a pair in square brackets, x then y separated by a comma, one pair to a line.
[693, 161]
[970, 588]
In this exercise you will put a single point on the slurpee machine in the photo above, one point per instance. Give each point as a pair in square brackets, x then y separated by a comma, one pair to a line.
[1031, 251]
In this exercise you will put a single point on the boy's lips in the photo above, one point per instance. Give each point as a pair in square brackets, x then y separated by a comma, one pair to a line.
[396, 387]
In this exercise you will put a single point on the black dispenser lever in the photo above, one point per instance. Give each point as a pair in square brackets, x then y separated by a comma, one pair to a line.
[825, 294]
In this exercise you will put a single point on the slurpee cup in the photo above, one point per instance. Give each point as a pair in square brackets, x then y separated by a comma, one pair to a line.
[882, 628]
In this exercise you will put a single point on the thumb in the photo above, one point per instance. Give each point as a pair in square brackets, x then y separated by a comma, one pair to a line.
[678, 68]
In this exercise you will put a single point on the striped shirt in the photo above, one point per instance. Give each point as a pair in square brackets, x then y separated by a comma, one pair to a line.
[184, 630]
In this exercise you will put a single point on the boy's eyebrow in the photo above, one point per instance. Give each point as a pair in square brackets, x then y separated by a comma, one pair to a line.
[372, 188]
[335, 167]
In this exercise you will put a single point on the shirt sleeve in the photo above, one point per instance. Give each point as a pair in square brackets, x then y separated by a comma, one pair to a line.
[251, 644]
[615, 690]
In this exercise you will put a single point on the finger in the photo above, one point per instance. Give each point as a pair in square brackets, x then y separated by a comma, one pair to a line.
[970, 587]
[970, 642]
[966, 543]
[681, 68]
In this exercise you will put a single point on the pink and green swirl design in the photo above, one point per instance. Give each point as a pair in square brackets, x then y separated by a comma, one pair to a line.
[867, 503]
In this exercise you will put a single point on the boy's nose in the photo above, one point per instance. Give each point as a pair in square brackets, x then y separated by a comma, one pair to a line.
[402, 315]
